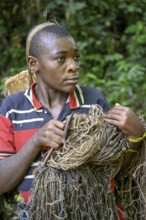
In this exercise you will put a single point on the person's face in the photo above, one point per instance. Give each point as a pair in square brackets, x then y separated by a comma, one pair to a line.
[58, 64]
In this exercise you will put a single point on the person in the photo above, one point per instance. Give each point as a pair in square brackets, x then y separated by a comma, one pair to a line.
[33, 120]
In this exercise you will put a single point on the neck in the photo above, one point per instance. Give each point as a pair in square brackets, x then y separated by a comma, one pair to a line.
[51, 99]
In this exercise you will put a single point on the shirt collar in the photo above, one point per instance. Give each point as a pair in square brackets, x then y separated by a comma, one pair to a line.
[75, 99]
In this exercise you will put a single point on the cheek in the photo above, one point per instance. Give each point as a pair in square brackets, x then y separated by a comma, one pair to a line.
[45, 67]
[51, 77]
[49, 68]
[52, 72]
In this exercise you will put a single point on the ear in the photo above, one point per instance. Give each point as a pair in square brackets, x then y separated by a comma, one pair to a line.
[32, 63]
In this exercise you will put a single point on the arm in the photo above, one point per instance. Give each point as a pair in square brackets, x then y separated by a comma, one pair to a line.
[126, 120]
[13, 169]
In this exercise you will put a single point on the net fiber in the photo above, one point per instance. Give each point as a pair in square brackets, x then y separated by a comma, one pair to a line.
[75, 182]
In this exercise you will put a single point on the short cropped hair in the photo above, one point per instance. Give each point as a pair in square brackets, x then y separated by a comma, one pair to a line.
[54, 31]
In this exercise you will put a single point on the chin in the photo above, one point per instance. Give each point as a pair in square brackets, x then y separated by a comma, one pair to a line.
[71, 88]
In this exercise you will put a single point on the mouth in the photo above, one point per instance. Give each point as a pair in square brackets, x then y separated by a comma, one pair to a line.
[72, 80]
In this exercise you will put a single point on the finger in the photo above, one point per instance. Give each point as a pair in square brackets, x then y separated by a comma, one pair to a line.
[117, 104]
[53, 144]
[54, 140]
[55, 131]
[56, 127]
[55, 123]
[118, 125]
[112, 121]
[114, 115]
[59, 124]
[117, 110]
[54, 134]
[114, 110]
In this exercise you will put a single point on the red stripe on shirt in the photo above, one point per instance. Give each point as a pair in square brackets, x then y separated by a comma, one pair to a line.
[6, 135]
[73, 103]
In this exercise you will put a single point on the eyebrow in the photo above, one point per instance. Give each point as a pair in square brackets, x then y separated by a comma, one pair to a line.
[64, 51]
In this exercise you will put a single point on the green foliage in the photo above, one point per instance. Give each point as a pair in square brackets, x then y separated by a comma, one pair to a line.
[110, 34]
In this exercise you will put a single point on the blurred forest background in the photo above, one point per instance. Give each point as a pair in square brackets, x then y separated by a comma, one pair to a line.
[110, 34]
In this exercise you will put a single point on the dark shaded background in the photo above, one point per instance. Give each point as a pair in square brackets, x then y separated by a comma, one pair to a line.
[111, 36]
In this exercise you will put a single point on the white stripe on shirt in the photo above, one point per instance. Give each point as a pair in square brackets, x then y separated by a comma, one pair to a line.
[27, 121]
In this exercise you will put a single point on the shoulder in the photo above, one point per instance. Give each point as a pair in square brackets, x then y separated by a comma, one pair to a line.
[14, 98]
[13, 101]
[90, 90]
[94, 96]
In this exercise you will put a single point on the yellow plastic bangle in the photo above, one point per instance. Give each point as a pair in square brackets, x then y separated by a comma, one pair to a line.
[135, 140]
[132, 151]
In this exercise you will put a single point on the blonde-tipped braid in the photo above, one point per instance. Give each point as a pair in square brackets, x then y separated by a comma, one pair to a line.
[33, 32]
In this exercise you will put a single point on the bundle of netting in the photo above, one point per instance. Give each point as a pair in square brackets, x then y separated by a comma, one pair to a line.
[76, 182]
[131, 185]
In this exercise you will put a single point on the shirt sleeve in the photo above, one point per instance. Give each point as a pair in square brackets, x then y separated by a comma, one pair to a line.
[7, 146]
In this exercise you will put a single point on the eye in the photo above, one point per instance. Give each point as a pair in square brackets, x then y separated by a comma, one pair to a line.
[61, 59]
[77, 57]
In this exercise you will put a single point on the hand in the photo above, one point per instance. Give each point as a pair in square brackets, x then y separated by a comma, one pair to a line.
[51, 134]
[126, 120]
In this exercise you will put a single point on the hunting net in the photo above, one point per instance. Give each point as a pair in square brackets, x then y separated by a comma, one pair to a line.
[131, 185]
[76, 181]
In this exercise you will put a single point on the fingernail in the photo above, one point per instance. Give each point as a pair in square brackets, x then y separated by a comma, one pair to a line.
[62, 141]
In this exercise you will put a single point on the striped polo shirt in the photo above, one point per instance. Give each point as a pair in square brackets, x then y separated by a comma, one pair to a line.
[21, 115]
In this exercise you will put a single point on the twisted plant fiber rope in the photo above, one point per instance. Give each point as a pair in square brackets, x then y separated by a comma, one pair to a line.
[90, 139]
[75, 183]
[131, 185]
[76, 194]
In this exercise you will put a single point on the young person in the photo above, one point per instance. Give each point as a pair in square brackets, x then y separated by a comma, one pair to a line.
[31, 121]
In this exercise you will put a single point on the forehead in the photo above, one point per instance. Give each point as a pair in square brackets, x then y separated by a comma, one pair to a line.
[54, 45]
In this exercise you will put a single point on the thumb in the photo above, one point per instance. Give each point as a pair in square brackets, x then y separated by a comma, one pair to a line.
[117, 104]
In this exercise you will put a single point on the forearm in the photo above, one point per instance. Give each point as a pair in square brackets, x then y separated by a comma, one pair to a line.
[14, 168]
[134, 149]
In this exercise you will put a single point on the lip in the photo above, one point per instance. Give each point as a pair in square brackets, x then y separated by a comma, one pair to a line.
[72, 80]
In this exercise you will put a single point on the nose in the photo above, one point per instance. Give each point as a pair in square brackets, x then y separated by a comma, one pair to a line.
[73, 66]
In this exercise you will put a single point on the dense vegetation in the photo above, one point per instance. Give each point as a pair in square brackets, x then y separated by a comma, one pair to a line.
[111, 36]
